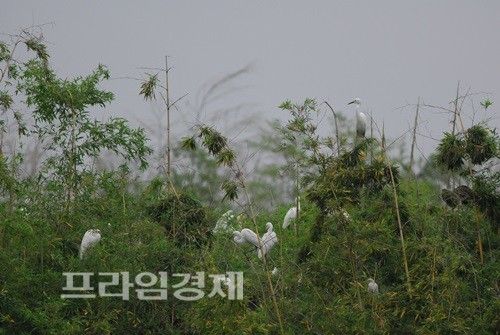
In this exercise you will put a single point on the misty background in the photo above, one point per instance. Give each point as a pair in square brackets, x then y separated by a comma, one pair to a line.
[388, 53]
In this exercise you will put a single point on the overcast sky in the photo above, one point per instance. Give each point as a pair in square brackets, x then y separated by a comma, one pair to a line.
[388, 53]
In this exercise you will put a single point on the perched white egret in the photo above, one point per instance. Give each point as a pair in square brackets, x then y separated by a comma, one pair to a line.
[91, 237]
[291, 214]
[361, 119]
[372, 286]
[267, 241]
[246, 236]
[275, 271]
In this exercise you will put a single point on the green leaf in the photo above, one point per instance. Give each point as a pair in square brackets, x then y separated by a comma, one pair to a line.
[486, 103]
[148, 87]
[188, 143]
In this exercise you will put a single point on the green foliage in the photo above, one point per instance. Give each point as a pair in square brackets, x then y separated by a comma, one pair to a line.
[188, 143]
[477, 145]
[69, 134]
[5, 101]
[486, 103]
[201, 178]
[218, 146]
[480, 145]
[183, 218]
[40, 49]
[11, 68]
[351, 228]
[148, 87]
[230, 189]
[39, 249]
[451, 152]
[487, 196]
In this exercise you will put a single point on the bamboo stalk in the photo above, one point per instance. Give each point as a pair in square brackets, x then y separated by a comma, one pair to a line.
[400, 225]
[354, 271]
[168, 119]
[412, 151]
[297, 201]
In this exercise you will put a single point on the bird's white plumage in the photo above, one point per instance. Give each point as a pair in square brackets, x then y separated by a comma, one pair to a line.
[372, 286]
[269, 239]
[90, 238]
[291, 214]
[263, 245]
[246, 236]
[361, 119]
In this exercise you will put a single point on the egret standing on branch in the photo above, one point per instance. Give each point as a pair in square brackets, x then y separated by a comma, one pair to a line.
[91, 237]
[269, 239]
[266, 243]
[246, 236]
[361, 119]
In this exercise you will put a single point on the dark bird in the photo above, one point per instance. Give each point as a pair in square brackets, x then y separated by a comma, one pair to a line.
[465, 194]
[450, 198]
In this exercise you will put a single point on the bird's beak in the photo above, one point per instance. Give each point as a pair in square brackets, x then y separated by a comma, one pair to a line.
[352, 102]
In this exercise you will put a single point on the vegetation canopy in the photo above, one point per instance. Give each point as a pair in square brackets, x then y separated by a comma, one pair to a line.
[377, 247]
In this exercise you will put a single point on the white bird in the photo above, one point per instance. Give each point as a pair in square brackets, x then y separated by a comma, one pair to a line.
[246, 236]
[372, 286]
[361, 119]
[291, 214]
[267, 241]
[91, 237]
[275, 271]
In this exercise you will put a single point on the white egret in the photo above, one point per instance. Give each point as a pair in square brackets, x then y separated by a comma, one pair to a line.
[269, 239]
[361, 119]
[266, 243]
[246, 236]
[372, 286]
[291, 214]
[91, 237]
[275, 271]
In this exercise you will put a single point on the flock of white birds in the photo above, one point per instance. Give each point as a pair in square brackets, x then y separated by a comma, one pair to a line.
[262, 244]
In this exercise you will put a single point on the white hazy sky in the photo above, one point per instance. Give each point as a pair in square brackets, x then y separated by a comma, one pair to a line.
[388, 53]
